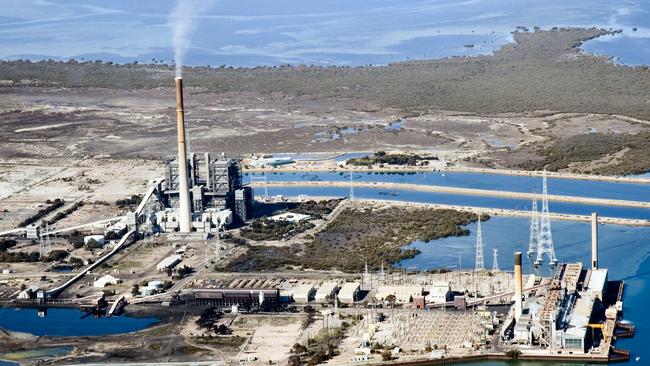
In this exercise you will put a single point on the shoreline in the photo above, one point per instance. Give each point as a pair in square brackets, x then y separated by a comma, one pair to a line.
[498, 211]
[515, 213]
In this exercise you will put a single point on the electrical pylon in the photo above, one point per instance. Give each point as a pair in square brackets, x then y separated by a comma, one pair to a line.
[546, 236]
[480, 266]
[495, 260]
[351, 187]
[533, 242]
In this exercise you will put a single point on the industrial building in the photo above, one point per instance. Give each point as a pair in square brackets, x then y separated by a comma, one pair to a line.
[563, 315]
[303, 293]
[214, 185]
[202, 194]
[258, 299]
[403, 294]
[105, 281]
[168, 262]
[269, 161]
[439, 292]
[152, 288]
[99, 239]
[326, 291]
[349, 292]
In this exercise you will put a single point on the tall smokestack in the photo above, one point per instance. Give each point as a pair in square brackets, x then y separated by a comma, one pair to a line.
[518, 286]
[594, 240]
[183, 188]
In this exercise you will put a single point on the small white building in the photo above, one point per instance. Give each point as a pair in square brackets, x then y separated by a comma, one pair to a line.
[349, 292]
[107, 280]
[290, 217]
[439, 292]
[156, 284]
[148, 291]
[169, 262]
[32, 231]
[270, 161]
[99, 239]
[403, 294]
[303, 293]
[325, 291]
[27, 293]
[119, 228]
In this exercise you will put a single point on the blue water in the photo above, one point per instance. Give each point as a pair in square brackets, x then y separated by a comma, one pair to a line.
[569, 187]
[336, 32]
[462, 200]
[565, 187]
[69, 322]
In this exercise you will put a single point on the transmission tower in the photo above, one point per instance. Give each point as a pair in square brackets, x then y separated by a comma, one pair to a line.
[495, 260]
[41, 247]
[479, 246]
[366, 280]
[545, 236]
[48, 243]
[533, 242]
[44, 246]
[351, 187]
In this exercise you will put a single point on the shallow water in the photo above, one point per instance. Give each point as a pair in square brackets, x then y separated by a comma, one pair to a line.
[336, 32]
[47, 352]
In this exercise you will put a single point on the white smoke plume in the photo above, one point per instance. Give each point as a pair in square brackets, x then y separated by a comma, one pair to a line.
[183, 22]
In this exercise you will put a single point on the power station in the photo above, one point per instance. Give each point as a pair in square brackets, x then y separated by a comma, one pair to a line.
[203, 194]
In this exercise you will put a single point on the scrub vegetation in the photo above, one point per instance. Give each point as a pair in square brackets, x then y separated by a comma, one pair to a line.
[622, 153]
[382, 158]
[360, 235]
[541, 70]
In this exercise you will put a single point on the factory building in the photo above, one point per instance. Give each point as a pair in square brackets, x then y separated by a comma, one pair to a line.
[403, 294]
[303, 293]
[574, 337]
[597, 283]
[105, 281]
[262, 299]
[200, 195]
[326, 291]
[214, 185]
[349, 292]
[439, 292]
[169, 262]
[561, 317]
[99, 239]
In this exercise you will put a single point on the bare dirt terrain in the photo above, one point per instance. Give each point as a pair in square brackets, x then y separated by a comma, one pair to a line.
[514, 105]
